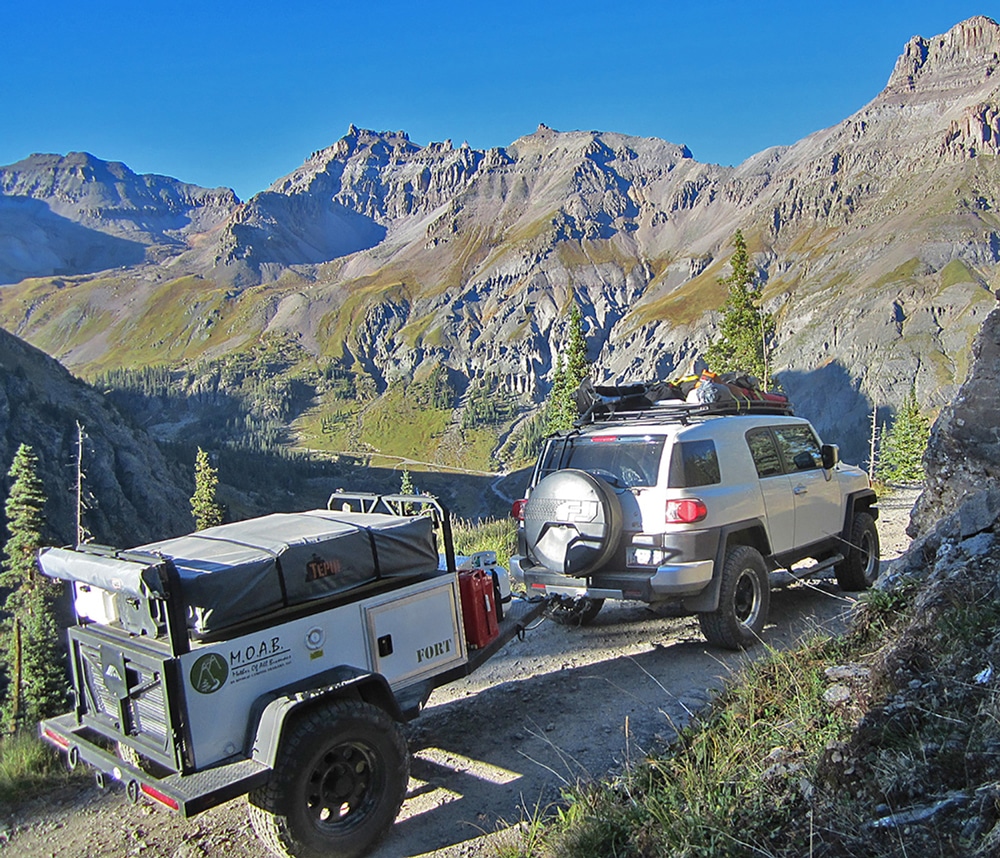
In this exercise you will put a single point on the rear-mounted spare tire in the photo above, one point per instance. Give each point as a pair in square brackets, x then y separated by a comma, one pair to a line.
[572, 523]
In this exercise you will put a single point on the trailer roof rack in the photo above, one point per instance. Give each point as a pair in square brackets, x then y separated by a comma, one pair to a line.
[675, 411]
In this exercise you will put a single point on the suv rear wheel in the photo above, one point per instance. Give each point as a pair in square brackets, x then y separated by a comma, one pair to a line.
[744, 600]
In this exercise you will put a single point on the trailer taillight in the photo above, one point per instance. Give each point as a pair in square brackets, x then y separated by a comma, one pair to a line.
[55, 738]
[685, 511]
[517, 509]
[156, 795]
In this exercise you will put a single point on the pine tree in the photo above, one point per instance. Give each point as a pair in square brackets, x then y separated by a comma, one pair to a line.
[571, 368]
[406, 487]
[205, 508]
[902, 453]
[746, 331]
[36, 681]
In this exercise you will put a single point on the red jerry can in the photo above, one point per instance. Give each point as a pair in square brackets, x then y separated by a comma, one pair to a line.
[479, 612]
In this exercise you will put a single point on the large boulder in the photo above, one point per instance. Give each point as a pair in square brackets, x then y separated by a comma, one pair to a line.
[963, 456]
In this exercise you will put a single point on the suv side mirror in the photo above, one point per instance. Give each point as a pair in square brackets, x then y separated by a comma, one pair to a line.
[831, 455]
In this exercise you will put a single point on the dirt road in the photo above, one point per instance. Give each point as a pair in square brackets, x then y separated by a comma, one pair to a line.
[563, 704]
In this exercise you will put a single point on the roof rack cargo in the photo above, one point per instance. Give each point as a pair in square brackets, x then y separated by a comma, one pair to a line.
[682, 412]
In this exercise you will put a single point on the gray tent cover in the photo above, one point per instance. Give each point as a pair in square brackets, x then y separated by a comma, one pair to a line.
[235, 572]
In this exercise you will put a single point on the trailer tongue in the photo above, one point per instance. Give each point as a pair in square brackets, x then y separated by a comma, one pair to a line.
[277, 657]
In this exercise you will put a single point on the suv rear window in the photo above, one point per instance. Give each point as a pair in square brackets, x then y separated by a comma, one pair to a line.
[626, 461]
[694, 463]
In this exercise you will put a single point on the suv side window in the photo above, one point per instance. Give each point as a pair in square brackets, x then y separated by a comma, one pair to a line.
[799, 448]
[764, 453]
[693, 463]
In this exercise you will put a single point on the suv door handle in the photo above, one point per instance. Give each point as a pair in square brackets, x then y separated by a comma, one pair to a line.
[800, 490]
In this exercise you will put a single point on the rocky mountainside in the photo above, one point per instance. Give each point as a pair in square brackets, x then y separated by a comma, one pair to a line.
[77, 214]
[876, 243]
[136, 496]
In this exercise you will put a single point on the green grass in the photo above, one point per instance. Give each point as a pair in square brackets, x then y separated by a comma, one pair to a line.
[956, 272]
[397, 426]
[27, 767]
[491, 534]
[687, 304]
[727, 782]
[907, 271]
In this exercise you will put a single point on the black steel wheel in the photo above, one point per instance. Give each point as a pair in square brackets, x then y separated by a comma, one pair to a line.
[744, 601]
[573, 612]
[860, 567]
[338, 783]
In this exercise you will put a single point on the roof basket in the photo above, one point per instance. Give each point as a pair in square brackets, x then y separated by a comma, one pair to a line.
[683, 412]
[677, 400]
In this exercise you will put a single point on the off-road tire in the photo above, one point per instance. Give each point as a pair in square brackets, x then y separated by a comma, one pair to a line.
[343, 757]
[744, 601]
[576, 612]
[860, 566]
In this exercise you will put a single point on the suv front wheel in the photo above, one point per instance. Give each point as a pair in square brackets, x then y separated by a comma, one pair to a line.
[744, 600]
[859, 568]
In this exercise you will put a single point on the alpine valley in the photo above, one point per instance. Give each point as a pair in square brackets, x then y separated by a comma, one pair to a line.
[396, 303]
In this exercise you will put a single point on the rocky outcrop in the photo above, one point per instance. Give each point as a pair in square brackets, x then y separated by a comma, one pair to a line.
[963, 457]
[136, 496]
[953, 60]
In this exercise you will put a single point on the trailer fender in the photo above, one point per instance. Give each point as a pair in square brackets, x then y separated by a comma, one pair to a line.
[271, 711]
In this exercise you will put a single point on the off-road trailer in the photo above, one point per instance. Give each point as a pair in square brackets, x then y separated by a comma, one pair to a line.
[277, 658]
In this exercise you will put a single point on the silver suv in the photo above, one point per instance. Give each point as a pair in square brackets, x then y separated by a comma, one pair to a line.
[696, 505]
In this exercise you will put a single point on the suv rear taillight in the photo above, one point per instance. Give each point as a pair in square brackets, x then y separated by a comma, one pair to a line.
[685, 511]
[517, 509]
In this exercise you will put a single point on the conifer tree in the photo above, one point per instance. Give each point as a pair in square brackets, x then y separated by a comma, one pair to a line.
[36, 681]
[205, 508]
[746, 331]
[571, 368]
[902, 453]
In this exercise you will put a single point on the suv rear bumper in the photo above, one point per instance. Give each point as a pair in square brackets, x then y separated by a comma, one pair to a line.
[670, 581]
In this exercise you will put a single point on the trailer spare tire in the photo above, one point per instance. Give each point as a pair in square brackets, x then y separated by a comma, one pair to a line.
[572, 522]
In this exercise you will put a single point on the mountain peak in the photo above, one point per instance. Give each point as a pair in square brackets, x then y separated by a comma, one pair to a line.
[967, 54]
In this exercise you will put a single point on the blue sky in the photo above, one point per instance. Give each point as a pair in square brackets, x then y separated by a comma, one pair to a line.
[238, 94]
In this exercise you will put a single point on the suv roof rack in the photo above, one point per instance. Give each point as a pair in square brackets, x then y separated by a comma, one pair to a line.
[683, 412]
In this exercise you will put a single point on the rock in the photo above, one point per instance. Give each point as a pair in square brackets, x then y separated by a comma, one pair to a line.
[837, 695]
[140, 497]
[963, 456]
[848, 673]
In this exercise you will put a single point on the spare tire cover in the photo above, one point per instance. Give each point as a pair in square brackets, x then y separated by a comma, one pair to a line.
[572, 522]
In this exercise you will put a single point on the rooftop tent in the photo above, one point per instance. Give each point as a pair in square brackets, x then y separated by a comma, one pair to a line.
[235, 572]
